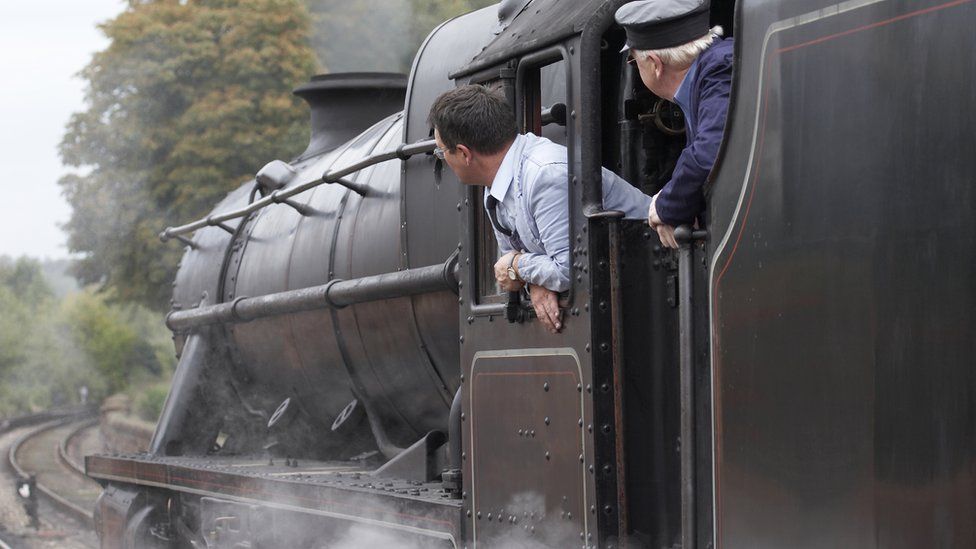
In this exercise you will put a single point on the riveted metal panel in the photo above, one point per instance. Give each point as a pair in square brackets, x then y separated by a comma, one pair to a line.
[528, 406]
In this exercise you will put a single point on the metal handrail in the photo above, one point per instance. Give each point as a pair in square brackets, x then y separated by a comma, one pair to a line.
[403, 152]
[335, 294]
[686, 237]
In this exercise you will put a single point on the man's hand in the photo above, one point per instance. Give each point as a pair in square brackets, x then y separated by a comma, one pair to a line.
[666, 234]
[501, 273]
[546, 304]
[652, 218]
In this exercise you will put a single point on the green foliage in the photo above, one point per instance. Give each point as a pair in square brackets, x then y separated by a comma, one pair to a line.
[378, 35]
[25, 278]
[189, 100]
[49, 348]
[23, 293]
[105, 336]
[149, 402]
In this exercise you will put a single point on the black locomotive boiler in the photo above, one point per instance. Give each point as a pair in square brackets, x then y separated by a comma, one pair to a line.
[799, 373]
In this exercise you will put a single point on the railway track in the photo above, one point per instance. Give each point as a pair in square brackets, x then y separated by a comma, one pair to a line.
[74, 463]
[43, 452]
[47, 446]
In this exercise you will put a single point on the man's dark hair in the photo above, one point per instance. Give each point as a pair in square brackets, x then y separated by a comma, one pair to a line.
[475, 116]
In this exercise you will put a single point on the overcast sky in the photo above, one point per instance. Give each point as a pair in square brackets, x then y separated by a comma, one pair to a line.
[43, 44]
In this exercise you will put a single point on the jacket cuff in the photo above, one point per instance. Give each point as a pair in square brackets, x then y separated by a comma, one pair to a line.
[669, 214]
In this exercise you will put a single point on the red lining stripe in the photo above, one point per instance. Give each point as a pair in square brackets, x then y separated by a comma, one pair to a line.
[895, 19]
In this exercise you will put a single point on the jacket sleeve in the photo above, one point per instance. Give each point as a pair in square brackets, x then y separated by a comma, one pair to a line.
[681, 199]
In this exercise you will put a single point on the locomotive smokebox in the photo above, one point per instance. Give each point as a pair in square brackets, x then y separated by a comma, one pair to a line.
[345, 104]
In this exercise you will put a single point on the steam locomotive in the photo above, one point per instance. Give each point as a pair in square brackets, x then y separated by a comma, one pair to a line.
[797, 374]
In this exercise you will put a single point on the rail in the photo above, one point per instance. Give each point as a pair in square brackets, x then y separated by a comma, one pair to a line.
[403, 152]
[65, 506]
[64, 457]
[10, 424]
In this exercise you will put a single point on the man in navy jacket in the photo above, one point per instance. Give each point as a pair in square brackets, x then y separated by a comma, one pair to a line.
[680, 59]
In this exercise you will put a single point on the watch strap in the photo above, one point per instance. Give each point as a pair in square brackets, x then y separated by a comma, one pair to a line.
[511, 266]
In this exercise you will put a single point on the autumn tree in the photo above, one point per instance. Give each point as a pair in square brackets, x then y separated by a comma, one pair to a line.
[189, 99]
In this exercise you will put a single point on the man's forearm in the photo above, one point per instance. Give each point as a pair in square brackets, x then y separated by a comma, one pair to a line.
[680, 202]
[624, 197]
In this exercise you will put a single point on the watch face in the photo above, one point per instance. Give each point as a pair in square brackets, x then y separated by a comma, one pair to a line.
[511, 274]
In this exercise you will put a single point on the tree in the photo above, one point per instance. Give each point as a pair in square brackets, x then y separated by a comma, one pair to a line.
[37, 365]
[186, 103]
[52, 345]
[25, 278]
[108, 338]
[23, 294]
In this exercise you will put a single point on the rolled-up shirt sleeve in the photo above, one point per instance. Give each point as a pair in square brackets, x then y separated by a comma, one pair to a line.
[549, 203]
[624, 197]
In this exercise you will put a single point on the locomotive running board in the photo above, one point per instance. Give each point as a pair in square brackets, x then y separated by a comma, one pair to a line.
[334, 490]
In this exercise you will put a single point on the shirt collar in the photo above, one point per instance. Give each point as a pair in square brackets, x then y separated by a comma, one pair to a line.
[683, 96]
[506, 171]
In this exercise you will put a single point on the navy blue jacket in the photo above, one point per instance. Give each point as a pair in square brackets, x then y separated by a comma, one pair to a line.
[681, 200]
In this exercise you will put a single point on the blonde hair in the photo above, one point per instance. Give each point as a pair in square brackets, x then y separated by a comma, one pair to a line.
[681, 57]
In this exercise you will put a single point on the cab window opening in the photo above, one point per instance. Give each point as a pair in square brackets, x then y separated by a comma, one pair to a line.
[541, 99]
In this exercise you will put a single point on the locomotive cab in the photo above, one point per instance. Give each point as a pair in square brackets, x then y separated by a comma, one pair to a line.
[591, 417]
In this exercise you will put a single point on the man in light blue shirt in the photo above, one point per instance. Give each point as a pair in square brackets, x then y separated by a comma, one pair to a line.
[527, 195]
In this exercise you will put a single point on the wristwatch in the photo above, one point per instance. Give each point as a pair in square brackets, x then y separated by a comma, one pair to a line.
[512, 275]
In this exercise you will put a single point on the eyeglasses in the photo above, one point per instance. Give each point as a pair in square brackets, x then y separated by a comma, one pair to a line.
[439, 153]
[632, 60]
